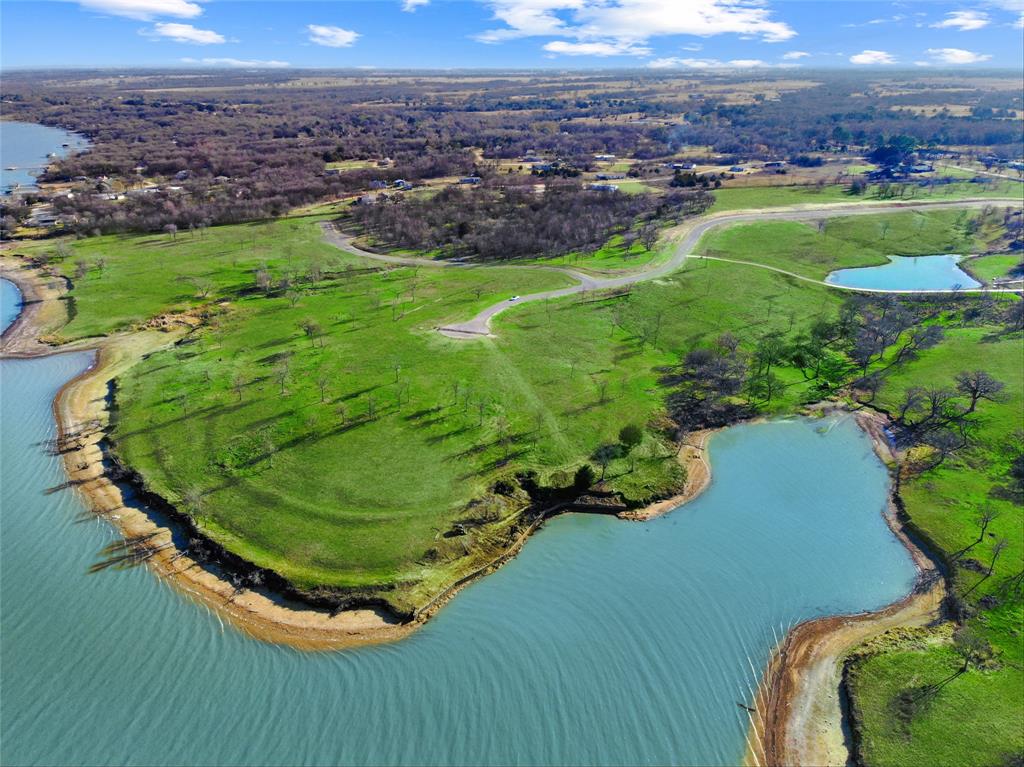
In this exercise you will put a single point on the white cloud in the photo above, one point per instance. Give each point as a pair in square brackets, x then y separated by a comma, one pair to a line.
[956, 56]
[145, 10]
[598, 48]
[872, 57]
[246, 63]
[184, 33]
[675, 62]
[629, 24]
[748, 63]
[332, 37]
[794, 55]
[411, 5]
[885, 20]
[965, 21]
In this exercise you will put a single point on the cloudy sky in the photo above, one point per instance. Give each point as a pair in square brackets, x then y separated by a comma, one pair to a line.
[658, 34]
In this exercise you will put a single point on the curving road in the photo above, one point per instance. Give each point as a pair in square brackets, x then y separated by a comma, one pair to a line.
[480, 324]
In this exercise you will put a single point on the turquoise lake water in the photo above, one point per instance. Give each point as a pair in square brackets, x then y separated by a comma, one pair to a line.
[25, 147]
[604, 642]
[907, 273]
[10, 303]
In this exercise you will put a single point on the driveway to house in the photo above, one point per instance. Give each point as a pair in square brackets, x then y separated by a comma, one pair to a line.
[691, 232]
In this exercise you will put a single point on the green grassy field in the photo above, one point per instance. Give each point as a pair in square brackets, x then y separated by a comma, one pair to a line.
[613, 256]
[351, 164]
[814, 251]
[944, 504]
[144, 276]
[988, 268]
[740, 198]
[258, 457]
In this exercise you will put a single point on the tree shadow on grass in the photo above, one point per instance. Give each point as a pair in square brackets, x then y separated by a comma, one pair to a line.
[495, 464]
[357, 393]
[275, 342]
[309, 438]
[438, 438]
[423, 413]
[205, 412]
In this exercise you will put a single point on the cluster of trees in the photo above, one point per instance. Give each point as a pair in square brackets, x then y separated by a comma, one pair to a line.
[706, 386]
[869, 338]
[492, 223]
[941, 417]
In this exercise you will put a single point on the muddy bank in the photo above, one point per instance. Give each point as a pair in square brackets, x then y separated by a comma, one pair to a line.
[798, 717]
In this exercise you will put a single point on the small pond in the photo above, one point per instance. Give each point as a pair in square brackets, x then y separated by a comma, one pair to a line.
[907, 273]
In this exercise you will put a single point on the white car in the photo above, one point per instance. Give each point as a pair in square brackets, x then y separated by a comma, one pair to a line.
[514, 298]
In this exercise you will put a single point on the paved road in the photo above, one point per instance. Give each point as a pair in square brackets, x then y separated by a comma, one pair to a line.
[480, 324]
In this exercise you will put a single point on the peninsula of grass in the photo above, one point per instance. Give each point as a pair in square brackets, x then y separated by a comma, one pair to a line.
[339, 464]
[996, 266]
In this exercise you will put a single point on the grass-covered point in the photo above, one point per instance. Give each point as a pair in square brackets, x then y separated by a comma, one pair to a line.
[333, 436]
[998, 266]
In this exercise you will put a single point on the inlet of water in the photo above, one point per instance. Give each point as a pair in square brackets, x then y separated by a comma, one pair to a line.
[26, 148]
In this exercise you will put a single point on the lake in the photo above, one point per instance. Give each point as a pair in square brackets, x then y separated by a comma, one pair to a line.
[25, 148]
[907, 273]
[10, 303]
[604, 642]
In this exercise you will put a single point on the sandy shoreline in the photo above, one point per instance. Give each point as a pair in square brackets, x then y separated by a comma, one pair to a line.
[81, 412]
[798, 717]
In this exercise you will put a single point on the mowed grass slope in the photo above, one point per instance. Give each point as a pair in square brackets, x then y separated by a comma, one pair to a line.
[945, 505]
[814, 250]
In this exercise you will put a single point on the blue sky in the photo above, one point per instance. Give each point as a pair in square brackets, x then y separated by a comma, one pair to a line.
[660, 34]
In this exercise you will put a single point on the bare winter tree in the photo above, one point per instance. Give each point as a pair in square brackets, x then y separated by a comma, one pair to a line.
[978, 385]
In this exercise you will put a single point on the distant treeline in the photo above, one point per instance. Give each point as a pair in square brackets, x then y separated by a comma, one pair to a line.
[251, 145]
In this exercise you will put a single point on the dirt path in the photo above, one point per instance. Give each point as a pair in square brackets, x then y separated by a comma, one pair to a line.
[690, 235]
